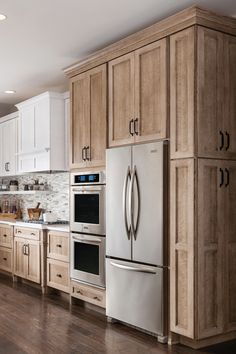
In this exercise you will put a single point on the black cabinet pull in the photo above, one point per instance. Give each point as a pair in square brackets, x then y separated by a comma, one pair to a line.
[5, 259]
[228, 141]
[131, 127]
[4, 235]
[59, 246]
[221, 177]
[136, 125]
[227, 177]
[84, 153]
[87, 153]
[221, 140]
[59, 275]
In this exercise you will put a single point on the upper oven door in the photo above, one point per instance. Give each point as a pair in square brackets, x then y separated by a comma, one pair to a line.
[88, 209]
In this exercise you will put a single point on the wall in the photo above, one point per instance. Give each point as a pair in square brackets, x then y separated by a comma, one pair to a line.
[56, 199]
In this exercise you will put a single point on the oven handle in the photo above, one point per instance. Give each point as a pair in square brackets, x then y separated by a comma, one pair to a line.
[87, 190]
[87, 239]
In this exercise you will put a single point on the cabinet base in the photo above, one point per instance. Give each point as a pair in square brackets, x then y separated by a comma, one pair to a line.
[201, 343]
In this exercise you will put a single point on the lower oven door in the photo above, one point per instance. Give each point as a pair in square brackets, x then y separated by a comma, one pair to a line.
[88, 259]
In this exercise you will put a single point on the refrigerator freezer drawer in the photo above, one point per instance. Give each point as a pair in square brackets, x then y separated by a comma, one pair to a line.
[135, 294]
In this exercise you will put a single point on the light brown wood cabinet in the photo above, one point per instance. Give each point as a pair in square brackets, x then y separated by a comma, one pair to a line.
[88, 293]
[6, 245]
[138, 95]
[202, 94]
[88, 134]
[203, 247]
[58, 276]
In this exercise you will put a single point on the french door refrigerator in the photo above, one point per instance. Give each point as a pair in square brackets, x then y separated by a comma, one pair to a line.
[134, 244]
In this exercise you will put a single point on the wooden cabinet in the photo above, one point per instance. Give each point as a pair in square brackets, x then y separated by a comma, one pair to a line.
[88, 118]
[88, 293]
[138, 95]
[41, 133]
[58, 261]
[202, 94]
[8, 145]
[6, 245]
[202, 247]
[30, 255]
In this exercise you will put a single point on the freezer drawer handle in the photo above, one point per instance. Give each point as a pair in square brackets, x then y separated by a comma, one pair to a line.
[133, 269]
[127, 228]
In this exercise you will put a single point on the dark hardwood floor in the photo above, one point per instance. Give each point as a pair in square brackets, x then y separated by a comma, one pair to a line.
[31, 323]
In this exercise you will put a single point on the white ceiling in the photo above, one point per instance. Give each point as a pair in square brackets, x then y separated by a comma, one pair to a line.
[41, 37]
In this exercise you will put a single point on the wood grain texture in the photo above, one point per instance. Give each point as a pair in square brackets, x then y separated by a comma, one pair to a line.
[182, 93]
[182, 247]
[88, 293]
[121, 99]
[58, 246]
[173, 24]
[151, 100]
[58, 275]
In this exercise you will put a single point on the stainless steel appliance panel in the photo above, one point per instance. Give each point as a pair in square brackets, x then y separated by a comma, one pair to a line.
[147, 179]
[88, 258]
[134, 294]
[118, 162]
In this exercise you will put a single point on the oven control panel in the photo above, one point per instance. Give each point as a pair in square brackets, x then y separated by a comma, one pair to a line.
[87, 178]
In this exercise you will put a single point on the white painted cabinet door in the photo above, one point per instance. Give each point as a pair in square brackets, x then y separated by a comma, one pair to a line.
[26, 130]
[42, 125]
[9, 147]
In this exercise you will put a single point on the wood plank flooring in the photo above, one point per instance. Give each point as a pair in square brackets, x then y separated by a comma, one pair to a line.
[33, 324]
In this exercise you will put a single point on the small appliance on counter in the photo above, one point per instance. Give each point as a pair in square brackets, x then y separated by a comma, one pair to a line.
[49, 217]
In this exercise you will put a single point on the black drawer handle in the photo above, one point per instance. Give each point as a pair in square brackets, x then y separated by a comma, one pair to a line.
[59, 275]
[58, 245]
[19, 232]
[5, 259]
[221, 140]
[221, 177]
[32, 233]
[79, 292]
[96, 298]
[131, 127]
[4, 235]
[228, 141]
[227, 177]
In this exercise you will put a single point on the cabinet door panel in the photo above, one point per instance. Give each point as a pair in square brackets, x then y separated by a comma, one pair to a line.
[121, 99]
[182, 93]
[182, 247]
[210, 92]
[20, 260]
[27, 126]
[210, 248]
[42, 125]
[230, 244]
[230, 95]
[98, 116]
[6, 259]
[33, 266]
[151, 91]
[80, 119]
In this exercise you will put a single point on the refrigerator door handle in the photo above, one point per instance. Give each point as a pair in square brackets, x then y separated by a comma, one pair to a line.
[131, 201]
[138, 200]
[142, 269]
[127, 228]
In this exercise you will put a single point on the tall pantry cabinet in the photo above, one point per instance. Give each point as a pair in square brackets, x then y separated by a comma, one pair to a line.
[203, 182]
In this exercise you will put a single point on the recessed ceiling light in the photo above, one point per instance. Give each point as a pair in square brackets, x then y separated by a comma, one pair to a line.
[2, 17]
[9, 91]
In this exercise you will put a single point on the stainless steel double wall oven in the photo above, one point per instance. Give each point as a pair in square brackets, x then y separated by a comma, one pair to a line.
[87, 223]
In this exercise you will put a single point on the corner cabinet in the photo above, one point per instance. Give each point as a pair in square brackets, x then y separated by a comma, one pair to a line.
[88, 134]
[138, 95]
[202, 94]
[41, 133]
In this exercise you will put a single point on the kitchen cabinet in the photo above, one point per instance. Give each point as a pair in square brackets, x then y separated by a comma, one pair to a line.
[8, 145]
[30, 255]
[41, 133]
[85, 292]
[202, 247]
[58, 261]
[88, 143]
[138, 95]
[6, 245]
[202, 94]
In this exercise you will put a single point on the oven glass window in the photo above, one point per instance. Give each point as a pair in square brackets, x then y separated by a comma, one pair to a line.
[86, 257]
[87, 208]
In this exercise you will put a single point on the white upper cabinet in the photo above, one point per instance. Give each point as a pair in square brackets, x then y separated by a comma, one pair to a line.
[41, 133]
[8, 145]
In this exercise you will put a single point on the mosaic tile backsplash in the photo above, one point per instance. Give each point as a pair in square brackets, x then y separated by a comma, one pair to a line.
[56, 199]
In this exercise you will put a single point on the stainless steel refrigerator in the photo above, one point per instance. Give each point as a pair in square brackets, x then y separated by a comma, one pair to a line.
[134, 242]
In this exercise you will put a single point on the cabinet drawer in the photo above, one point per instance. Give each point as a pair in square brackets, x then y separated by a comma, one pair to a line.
[29, 233]
[6, 259]
[88, 293]
[58, 246]
[6, 237]
[58, 275]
